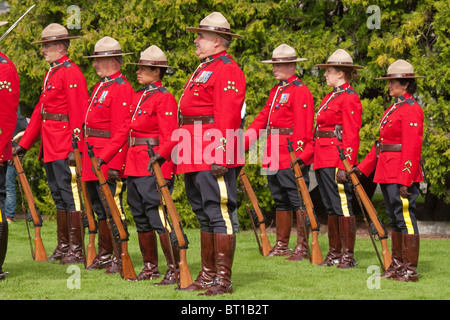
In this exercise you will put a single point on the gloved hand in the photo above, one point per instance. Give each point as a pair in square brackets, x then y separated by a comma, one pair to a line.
[156, 158]
[113, 175]
[19, 151]
[218, 170]
[403, 191]
[71, 159]
[356, 171]
[100, 162]
[300, 163]
[341, 176]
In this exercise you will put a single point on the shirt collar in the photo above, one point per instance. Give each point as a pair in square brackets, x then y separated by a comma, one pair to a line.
[401, 98]
[211, 58]
[341, 88]
[58, 62]
[287, 81]
[111, 77]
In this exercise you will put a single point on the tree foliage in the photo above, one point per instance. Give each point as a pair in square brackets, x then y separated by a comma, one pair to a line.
[415, 30]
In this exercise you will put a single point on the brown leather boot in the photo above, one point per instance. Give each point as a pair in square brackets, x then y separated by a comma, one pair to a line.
[62, 235]
[173, 272]
[225, 245]
[149, 250]
[283, 229]
[105, 249]
[205, 278]
[75, 252]
[397, 261]
[410, 255]
[334, 242]
[347, 231]
[301, 249]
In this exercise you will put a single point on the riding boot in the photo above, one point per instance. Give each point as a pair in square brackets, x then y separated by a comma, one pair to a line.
[205, 278]
[397, 261]
[301, 249]
[410, 255]
[173, 272]
[347, 232]
[225, 245]
[149, 250]
[62, 235]
[105, 249]
[334, 242]
[3, 245]
[283, 229]
[75, 253]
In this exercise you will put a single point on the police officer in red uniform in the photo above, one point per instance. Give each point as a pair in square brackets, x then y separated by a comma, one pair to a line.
[395, 157]
[56, 118]
[108, 106]
[338, 122]
[9, 95]
[152, 118]
[288, 114]
[209, 119]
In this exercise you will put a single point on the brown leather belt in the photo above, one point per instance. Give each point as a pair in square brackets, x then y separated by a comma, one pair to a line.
[192, 119]
[324, 134]
[390, 147]
[136, 141]
[89, 132]
[281, 130]
[54, 116]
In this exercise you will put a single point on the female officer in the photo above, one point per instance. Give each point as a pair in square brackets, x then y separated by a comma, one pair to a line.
[395, 157]
[338, 122]
[152, 119]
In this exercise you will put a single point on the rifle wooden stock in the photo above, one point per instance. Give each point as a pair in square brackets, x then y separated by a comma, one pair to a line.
[266, 247]
[185, 273]
[369, 208]
[40, 254]
[316, 254]
[91, 253]
[127, 266]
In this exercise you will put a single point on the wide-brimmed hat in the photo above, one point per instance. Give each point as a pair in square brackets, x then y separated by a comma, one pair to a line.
[153, 56]
[400, 69]
[284, 54]
[339, 58]
[54, 32]
[215, 22]
[2, 23]
[107, 47]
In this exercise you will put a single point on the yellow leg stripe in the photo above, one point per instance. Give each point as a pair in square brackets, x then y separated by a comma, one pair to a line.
[74, 185]
[119, 185]
[343, 196]
[406, 216]
[164, 221]
[1, 218]
[223, 204]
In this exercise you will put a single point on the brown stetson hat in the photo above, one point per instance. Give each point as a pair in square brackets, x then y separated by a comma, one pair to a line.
[153, 56]
[107, 47]
[54, 32]
[339, 58]
[214, 22]
[400, 69]
[284, 54]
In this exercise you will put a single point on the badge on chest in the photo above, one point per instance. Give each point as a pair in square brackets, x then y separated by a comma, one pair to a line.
[284, 98]
[203, 77]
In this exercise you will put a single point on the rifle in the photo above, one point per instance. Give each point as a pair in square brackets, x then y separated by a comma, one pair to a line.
[316, 256]
[182, 242]
[89, 215]
[361, 194]
[266, 247]
[16, 23]
[128, 272]
[40, 254]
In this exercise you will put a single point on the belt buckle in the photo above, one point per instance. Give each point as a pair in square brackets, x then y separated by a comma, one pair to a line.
[132, 141]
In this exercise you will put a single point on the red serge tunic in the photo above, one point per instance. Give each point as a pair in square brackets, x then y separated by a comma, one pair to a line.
[402, 123]
[108, 107]
[152, 114]
[64, 93]
[340, 107]
[9, 95]
[290, 109]
[217, 89]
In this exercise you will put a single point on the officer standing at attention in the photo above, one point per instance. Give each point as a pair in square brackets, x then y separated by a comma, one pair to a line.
[209, 118]
[57, 117]
[288, 114]
[108, 106]
[9, 95]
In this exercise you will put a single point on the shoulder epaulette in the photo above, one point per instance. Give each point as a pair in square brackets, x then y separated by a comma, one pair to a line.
[410, 101]
[67, 64]
[3, 60]
[163, 90]
[298, 83]
[119, 80]
[226, 60]
[349, 90]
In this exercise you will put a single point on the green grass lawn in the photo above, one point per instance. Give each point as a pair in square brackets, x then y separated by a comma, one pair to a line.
[254, 277]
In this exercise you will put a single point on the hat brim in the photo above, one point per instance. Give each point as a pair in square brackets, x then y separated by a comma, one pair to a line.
[326, 65]
[408, 77]
[285, 61]
[108, 55]
[233, 35]
[58, 39]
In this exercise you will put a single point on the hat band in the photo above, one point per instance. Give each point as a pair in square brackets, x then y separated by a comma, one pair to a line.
[55, 37]
[396, 75]
[340, 62]
[284, 59]
[211, 28]
[105, 53]
[151, 63]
